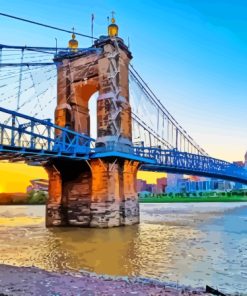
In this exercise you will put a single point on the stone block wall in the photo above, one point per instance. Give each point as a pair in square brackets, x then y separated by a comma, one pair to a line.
[100, 193]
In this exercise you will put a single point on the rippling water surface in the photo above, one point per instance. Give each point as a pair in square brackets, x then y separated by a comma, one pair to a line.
[192, 244]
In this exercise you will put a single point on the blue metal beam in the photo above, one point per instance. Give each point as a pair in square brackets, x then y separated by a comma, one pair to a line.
[24, 154]
[119, 154]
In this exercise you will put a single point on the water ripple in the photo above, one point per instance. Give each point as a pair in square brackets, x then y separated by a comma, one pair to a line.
[194, 245]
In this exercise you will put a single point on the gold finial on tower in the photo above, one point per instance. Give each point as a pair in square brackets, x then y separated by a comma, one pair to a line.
[113, 28]
[73, 43]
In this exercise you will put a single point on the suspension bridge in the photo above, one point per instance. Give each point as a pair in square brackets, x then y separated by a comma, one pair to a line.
[92, 178]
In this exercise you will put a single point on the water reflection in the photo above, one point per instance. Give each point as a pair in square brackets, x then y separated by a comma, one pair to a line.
[25, 241]
[172, 243]
[110, 251]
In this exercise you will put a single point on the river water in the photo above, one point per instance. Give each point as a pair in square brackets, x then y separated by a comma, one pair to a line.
[192, 244]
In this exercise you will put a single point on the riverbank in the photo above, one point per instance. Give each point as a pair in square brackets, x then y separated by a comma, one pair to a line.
[39, 198]
[22, 198]
[168, 199]
[34, 281]
[165, 199]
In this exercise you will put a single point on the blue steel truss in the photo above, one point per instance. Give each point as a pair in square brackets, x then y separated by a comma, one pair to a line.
[174, 161]
[23, 137]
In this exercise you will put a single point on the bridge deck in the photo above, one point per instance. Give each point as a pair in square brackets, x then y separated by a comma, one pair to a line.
[35, 141]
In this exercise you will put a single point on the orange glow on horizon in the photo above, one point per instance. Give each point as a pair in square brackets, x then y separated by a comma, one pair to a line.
[15, 177]
[150, 177]
[1, 188]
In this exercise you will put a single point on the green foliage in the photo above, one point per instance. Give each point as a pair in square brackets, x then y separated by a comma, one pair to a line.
[205, 196]
[211, 196]
[37, 197]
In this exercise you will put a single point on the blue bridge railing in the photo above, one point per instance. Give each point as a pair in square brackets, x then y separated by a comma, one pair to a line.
[192, 164]
[171, 160]
[28, 135]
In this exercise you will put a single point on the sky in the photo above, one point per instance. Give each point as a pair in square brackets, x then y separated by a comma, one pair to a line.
[193, 54]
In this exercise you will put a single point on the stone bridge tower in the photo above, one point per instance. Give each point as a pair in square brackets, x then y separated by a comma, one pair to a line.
[99, 192]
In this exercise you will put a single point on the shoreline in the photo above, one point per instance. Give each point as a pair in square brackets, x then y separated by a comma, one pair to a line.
[186, 200]
[150, 200]
[35, 281]
[23, 204]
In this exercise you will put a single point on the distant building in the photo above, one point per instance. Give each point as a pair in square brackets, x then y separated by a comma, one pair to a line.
[152, 188]
[159, 187]
[175, 183]
[204, 184]
[141, 185]
[38, 185]
[172, 182]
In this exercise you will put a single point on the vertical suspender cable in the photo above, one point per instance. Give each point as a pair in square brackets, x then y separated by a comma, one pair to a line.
[20, 80]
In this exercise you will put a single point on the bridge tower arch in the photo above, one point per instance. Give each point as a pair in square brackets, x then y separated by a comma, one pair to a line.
[101, 191]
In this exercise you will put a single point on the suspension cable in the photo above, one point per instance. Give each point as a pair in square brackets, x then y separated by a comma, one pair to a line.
[44, 25]
[148, 92]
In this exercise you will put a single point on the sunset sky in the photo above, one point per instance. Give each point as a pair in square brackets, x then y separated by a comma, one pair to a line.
[16, 177]
[193, 54]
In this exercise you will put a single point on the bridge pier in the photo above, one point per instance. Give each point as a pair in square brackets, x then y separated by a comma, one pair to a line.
[114, 196]
[100, 193]
[69, 193]
[55, 214]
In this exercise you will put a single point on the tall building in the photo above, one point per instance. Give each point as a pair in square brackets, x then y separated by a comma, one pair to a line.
[172, 182]
[161, 185]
